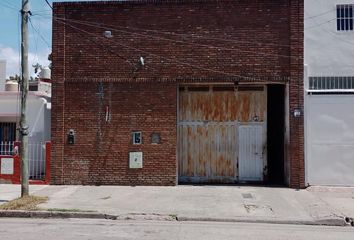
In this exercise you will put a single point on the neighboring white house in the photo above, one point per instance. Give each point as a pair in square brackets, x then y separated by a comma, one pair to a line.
[38, 116]
[38, 111]
[2, 74]
[38, 119]
[329, 92]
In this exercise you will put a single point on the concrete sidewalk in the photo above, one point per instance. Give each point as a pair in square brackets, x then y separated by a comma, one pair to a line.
[218, 203]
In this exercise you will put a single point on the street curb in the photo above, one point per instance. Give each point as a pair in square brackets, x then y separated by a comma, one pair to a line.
[96, 215]
[52, 214]
[323, 222]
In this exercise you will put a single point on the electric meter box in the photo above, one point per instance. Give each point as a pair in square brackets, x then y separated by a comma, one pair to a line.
[135, 160]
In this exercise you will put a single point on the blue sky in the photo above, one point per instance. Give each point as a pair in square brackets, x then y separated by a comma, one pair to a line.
[10, 35]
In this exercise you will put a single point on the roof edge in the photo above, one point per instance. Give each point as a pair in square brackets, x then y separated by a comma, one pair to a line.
[134, 2]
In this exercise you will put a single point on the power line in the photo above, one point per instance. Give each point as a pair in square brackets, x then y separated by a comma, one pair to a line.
[104, 48]
[192, 35]
[42, 12]
[318, 15]
[320, 24]
[48, 4]
[334, 34]
[18, 105]
[39, 34]
[179, 41]
[169, 59]
[8, 6]
[35, 40]
[110, 50]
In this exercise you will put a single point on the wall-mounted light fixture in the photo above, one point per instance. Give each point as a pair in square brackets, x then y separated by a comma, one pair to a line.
[141, 61]
[107, 34]
[297, 112]
[71, 136]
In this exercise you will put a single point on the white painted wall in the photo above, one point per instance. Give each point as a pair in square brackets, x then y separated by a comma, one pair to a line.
[2, 74]
[38, 114]
[327, 52]
[329, 119]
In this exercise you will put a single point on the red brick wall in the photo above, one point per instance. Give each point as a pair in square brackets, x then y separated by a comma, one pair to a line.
[264, 34]
[259, 30]
[296, 95]
[100, 152]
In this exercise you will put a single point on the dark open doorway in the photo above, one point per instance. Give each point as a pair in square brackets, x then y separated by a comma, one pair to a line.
[275, 133]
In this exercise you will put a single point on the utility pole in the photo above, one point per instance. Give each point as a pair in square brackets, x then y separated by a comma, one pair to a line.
[24, 90]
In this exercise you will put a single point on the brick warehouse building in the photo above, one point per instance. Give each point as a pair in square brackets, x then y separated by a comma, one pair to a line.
[156, 92]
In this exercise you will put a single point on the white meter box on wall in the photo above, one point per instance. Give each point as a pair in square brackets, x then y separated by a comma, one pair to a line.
[7, 166]
[135, 160]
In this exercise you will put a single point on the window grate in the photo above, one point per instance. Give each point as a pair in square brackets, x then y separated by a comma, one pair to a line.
[345, 17]
[7, 131]
[330, 84]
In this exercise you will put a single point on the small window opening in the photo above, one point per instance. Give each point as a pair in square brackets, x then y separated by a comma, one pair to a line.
[345, 17]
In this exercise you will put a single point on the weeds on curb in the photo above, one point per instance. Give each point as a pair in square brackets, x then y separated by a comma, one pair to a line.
[29, 203]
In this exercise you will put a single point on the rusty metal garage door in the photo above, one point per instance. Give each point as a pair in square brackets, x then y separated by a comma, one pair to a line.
[208, 139]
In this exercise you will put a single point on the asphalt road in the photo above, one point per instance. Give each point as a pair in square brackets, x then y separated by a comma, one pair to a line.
[53, 229]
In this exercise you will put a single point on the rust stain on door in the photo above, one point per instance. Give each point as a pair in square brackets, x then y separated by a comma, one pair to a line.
[222, 106]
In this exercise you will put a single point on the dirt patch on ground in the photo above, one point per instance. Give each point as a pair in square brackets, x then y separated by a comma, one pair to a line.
[25, 203]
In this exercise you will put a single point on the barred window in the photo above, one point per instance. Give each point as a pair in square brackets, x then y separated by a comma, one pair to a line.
[7, 131]
[7, 137]
[332, 84]
[345, 17]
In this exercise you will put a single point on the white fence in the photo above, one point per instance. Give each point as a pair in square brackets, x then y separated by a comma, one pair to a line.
[36, 158]
[6, 148]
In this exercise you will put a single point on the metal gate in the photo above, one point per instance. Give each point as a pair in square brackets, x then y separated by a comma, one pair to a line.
[330, 139]
[37, 160]
[208, 138]
[38, 154]
[251, 152]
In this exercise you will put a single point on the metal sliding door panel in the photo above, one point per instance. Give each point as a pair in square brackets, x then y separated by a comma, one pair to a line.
[251, 152]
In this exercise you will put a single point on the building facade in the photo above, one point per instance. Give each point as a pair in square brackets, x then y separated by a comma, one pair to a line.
[329, 92]
[167, 92]
[38, 113]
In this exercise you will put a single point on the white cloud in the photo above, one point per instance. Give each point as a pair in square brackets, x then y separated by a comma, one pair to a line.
[13, 59]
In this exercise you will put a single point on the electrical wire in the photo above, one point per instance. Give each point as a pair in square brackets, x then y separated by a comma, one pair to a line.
[18, 106]
[158, 56]
[43, 11]
[108, 50]
[319, 15]
[48, 4]
[320, 24]
[35, 41]
[179, 41]
[8, 6]
[192, 35]
[39, 34]
[333, 34]
[104, 48]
